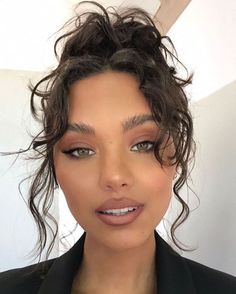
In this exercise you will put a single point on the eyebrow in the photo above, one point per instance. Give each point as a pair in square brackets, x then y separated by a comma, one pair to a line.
[128, 124]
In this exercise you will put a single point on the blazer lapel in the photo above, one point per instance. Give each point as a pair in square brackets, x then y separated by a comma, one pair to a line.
[173, 275]
[59, 278]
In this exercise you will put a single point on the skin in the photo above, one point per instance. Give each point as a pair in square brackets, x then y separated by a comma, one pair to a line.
[113, 167]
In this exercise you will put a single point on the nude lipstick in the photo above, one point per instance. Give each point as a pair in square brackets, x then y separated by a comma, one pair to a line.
[119, 212]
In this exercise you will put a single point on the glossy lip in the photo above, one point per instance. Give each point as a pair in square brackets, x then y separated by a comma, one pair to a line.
[118, 204]
[117, 220]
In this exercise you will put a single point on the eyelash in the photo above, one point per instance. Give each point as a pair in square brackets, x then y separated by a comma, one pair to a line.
[71, 151]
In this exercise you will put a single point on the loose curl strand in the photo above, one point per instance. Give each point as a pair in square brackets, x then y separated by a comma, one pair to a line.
[125, 41]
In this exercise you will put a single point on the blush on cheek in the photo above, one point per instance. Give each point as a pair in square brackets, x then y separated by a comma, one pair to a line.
[158, 178]
[73, 203]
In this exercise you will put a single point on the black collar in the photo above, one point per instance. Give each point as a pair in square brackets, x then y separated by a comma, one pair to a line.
[173, 275]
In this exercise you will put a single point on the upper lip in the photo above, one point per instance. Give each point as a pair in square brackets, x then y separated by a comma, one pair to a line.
[118, 204]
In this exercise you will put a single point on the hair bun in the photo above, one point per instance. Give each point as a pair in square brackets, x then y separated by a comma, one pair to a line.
[146, 38]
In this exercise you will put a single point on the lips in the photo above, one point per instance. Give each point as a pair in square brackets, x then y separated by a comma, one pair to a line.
[120, 220]
[118, 204]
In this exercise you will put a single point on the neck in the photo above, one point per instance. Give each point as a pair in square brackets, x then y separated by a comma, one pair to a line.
[103, 268]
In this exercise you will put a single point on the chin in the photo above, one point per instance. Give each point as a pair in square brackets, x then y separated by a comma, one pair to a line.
[119, 239]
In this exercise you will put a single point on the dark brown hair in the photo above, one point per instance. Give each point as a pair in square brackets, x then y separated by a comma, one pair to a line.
[124, 41]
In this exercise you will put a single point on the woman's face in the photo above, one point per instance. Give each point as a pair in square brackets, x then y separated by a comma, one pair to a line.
[110, 162]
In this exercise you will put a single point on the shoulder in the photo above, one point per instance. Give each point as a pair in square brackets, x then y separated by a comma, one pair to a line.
[179, 274]
[45, 277]
[209, 280]
[26, 280]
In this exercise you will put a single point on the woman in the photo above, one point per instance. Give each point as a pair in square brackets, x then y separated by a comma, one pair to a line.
[117, 139]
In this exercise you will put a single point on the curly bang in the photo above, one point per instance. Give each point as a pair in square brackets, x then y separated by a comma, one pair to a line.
[124, 41]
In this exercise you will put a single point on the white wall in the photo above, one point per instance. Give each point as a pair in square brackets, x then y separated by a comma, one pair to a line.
[17, 230]
[211, 227]
[31, 26]
[204, 39]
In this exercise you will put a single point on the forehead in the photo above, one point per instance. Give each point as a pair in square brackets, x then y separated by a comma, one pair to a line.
[116, 92]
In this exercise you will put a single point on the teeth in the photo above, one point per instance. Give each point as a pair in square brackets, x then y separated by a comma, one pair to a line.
[121, 211]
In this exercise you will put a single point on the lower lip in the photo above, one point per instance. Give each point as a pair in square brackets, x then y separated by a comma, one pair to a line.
[117, 220]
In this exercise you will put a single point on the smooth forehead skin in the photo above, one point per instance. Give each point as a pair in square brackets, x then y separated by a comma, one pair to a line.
[105, 98]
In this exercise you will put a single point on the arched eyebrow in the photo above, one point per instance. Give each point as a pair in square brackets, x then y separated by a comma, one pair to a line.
[128, 124]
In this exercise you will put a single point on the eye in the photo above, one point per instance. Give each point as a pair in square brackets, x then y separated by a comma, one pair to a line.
[78, 152]
[145, 146]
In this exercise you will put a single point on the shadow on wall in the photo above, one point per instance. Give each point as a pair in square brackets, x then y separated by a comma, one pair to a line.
[213, 224]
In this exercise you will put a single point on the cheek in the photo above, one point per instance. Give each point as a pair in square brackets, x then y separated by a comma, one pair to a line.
[157, 186]
[77, 190]
[157, 178]
[75, 184]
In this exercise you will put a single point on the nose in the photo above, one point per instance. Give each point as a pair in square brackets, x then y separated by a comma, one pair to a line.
[115, 173]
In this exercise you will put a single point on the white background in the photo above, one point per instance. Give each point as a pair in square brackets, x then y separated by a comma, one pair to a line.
[204, 39]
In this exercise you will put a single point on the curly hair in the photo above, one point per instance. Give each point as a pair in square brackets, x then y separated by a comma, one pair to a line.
[126, 41]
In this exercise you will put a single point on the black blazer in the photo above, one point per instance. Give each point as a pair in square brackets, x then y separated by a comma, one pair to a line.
[175, 274]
